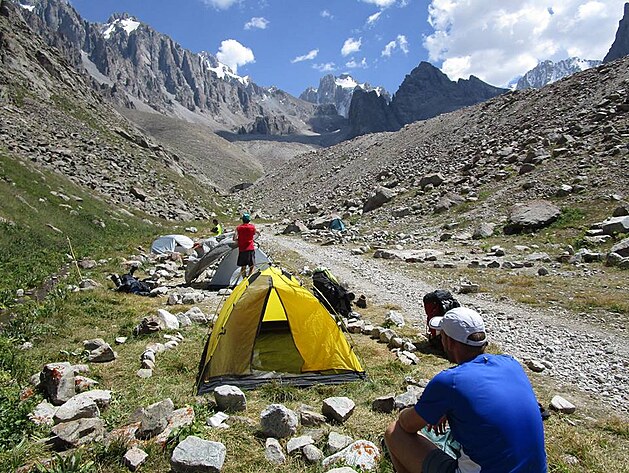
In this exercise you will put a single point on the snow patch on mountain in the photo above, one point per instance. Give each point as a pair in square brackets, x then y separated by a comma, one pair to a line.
[547, 72]
[222, 71]
[127, 24]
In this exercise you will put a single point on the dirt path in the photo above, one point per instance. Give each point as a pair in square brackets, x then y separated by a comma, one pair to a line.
[588, 362]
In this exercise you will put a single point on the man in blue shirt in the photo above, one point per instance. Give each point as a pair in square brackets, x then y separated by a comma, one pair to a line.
[488, 402]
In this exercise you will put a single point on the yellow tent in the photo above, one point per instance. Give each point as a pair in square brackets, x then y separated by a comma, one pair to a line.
[272, 328]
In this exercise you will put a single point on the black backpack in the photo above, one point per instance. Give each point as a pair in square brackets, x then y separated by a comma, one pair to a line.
[436, 304]
[131, 285]
[334, 297]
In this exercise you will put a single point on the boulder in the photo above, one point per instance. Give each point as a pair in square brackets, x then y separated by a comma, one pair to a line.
[134, 458]
[531, 216]
[435, 179]
[381, 196]
[167, 320]
[621, 248]
[230, 398]
[362, 454]
[447, 201]
[483, 230]
[154, 419]
[337, 442]
[296, 227]
[273, 451]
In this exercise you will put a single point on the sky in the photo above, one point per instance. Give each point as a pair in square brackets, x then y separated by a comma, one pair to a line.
[291, 44]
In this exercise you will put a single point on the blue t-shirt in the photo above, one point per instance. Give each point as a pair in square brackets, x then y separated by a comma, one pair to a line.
[492, 412]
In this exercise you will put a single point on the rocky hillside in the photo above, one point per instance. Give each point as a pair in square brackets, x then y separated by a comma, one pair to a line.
[51, 117]
[567, 141]
[425, 93]
[547, 72]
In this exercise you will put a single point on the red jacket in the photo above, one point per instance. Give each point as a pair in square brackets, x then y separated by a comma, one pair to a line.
[245, 233]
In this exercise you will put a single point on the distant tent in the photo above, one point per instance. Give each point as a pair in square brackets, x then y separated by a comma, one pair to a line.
[337, 224]
[227, 272]
[272, 328]
[214, 250]
[172, 244]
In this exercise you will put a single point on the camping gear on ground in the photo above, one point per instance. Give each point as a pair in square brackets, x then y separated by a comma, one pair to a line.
[271, 328]
[129, 284]
[172, 244]
[436, 304]
[337, 224]
[361, 302]
[148, 325]
[332, 295]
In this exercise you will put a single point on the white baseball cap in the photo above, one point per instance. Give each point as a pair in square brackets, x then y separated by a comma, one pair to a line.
[459, 323]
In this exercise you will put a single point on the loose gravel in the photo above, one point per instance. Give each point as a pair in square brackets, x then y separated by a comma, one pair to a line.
[577, 358]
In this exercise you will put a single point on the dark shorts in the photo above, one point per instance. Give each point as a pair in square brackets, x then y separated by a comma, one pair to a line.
[246, 258]
[439, 461]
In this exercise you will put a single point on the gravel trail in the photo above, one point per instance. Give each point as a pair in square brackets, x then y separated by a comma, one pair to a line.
[581, 359]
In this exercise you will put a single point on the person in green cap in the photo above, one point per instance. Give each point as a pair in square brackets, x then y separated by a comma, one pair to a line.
[244, 235]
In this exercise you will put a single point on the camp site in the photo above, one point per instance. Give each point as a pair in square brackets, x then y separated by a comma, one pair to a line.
[321, 236]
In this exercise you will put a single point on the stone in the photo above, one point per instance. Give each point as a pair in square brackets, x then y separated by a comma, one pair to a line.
[338, 408]
[469, 288]
[362, 454]
[384, 404]
[120, 340]
[230, 398]
[531, 216]
[615, 225]
[381, 196]
[197, 316]
[536, 366]
[296, 227]
[337, 442]
[154, 418]
[76, 433]
[194, 455]
[167, 320]
[273, 451]
[43, 413]
[621, 248]
[542, 271]
[102, 354]
[435, 179]
[483, 230]
[312, 454]
[447, 201]
[78, 407]
[309, 417]
[218, 420]
[560, 404]
[134, 458]
[393, 317]
[297, 443]
[278, 421]
[57, 382]
[179, 418]
[343, 469]
[144, 373]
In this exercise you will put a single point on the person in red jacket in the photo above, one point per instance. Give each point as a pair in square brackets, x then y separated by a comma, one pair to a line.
[244, 235]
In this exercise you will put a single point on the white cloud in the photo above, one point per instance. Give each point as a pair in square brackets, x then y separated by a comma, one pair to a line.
[234, 54]
[381, 3]
[257, 22]
[497, 41]
[220, 4]
[350, 46]
[400, 42]
[306, 57]
[357, 65]
[326, 14]
[373, 18]
[327, 67]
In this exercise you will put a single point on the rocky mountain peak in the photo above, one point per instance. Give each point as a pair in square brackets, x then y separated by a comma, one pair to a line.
[547, 72]
[338, 90]
[620, 47]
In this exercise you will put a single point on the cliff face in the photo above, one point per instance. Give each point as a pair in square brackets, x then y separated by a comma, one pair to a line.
[620, 47]
[425, 93]
[144, 66]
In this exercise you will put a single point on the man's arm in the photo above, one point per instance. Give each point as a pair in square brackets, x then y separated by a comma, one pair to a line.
[235, 237]
[410, 421]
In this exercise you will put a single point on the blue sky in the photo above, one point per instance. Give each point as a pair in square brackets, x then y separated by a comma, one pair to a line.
[291, 44]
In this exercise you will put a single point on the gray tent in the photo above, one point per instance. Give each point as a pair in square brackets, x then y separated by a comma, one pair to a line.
[172, 244]
[227, 274]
